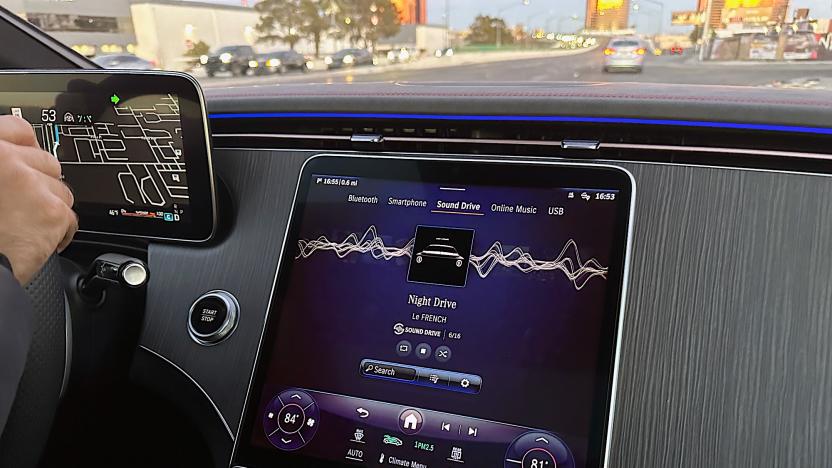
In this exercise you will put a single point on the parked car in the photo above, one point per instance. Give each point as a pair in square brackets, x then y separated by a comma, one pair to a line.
[624, 54]
[349, 58]
[237, 59]
[653, 48]
[123, 62]
[402, 55]
[282, 61]
[802, 46]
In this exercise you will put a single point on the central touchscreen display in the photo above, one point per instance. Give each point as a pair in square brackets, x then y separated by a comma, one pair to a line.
[440, 313]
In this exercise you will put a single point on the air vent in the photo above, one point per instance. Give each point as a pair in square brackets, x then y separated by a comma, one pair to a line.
[677, 143]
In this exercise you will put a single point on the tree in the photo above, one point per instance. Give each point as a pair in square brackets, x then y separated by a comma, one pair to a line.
[280, 21]
[484, 30]
[367, 21]
[197, 50]
[318, 16]
[696, 34]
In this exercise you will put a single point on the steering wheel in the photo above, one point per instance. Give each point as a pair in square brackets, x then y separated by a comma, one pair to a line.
[40, 388]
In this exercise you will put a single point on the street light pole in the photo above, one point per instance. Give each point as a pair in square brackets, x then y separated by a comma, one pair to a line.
[574, 17]
[561, 19]
[706, 29]
[447, 24]
[661, 11]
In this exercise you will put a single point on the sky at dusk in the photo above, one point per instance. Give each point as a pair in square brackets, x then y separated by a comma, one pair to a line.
[540, 13]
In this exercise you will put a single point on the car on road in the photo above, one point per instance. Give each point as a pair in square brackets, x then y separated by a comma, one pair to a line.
[123, 62]
[237, 59]
[281, 62]
[442, 251]
[652, 48]
[624, 54]
[349, 58]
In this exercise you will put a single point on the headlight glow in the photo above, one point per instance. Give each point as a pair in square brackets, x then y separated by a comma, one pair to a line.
[203, 59]
[225, 58]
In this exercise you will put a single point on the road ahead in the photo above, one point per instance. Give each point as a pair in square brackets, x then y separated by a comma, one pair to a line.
[582, 67]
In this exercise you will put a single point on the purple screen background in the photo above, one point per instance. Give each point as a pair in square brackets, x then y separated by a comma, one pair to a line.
[532, 337]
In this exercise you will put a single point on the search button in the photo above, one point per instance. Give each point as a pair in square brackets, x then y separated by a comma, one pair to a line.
[387, 371]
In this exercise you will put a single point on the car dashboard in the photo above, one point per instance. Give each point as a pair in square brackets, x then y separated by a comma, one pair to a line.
[724, 345]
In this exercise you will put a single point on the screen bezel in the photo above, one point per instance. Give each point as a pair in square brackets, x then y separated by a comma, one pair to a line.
[463, 171]
[196, 142]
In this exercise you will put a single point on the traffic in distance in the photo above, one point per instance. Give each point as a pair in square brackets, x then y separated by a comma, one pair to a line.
[774, 43]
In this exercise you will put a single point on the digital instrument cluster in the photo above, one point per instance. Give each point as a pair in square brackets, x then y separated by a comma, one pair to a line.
[133, 147]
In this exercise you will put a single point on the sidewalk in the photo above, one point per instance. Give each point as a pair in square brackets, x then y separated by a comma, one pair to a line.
[752, 63]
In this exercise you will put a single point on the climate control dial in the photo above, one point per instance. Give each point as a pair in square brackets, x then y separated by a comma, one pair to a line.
[539, 450]
[290, 420]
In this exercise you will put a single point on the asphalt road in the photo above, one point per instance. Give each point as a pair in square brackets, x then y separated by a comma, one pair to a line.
[582, 67]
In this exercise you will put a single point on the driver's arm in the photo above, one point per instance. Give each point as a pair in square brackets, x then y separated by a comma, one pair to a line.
[36, 220]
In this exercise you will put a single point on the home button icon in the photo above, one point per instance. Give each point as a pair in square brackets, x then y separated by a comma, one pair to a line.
[410, 421]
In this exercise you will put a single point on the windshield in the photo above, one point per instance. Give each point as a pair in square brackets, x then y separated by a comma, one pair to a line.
[440, 248]
[770, 43]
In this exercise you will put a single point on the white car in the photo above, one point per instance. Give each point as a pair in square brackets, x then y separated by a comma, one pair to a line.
[624, 54]
[440, 251]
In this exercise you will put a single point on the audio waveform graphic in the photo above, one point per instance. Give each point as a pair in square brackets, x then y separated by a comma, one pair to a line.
[370, 243]
[568, 261]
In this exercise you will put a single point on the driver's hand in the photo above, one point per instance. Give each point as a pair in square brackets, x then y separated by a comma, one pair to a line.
[36, 217]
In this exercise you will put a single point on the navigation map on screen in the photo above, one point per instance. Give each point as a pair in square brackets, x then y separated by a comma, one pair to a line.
[122, 155]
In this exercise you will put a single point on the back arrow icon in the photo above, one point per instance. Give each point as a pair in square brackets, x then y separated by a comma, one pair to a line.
[362, 413]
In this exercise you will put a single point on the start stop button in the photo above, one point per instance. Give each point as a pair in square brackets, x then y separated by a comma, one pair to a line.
[213, 317]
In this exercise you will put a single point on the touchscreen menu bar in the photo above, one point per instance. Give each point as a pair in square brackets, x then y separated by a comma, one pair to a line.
[454, 201]
[383, 434]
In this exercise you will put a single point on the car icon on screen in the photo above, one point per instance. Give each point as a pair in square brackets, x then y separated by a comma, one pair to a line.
[443, 251]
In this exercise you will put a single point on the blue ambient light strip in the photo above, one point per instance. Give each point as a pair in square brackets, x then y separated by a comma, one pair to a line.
[525, 118]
